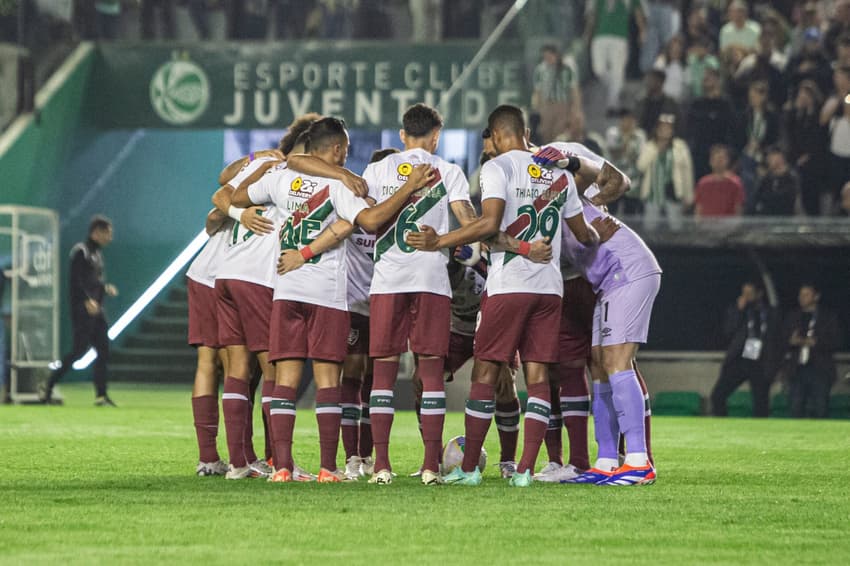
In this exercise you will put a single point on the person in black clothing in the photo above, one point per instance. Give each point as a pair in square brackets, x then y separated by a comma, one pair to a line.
[778, 192]
[751, 326]
[812, 336]
[806, 140]
[655, 102]
[88, 290]
[711, 120]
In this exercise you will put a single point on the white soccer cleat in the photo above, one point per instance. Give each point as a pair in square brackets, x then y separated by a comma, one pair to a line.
[560, 475]
[261, 469]
[352, 468]
[211, 469]
[300, 474]
[367, 466]
[384, 477]
[234, 473]
[548, 469]
[416, 474]
[507, 469]
[430, 478]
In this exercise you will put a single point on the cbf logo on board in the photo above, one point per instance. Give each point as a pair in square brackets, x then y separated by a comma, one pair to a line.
[180, 91]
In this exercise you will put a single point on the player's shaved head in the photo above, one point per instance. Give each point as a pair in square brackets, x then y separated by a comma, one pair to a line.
[380, 154]
[420, 120]
[296, 128]
[508, 119]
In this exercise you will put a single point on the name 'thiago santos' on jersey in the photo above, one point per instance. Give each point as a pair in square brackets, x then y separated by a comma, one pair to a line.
[308, 205]
[248, 256]
[399, 268]
[536, 200]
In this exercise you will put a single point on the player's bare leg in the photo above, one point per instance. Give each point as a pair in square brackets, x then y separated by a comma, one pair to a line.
[237, 409]
[205, 412]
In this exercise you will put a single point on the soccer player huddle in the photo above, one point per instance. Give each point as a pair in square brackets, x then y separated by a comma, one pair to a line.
[309, 261]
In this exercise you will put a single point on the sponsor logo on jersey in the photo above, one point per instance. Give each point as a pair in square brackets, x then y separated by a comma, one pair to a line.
[179, 92]
[301, 187]
[353, 336]
[606, 332]
[539, 174]
[404, 170]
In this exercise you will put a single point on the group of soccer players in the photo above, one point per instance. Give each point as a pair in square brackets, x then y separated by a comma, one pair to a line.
[307, 260]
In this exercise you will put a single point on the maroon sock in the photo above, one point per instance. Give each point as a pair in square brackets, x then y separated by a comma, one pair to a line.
[328, 417]
[647, 415]
[268, 391]
[250, 454]
[350, 424]
[205, 411]
[575, 410]
[433, 410]
[381, 411]
[282, 414]
[237, 409]
[507, 423]
[479, 412]
[536, 420]
[365, 442]
[554, 441]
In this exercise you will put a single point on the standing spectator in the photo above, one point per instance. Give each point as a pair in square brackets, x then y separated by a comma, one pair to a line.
[813, 336]
[88, 290]
[839, 24]
[778, 192]
[607, 32]
[767, 64]
[700, 58]
[576, 132]
[809, 62]
[835, 115]
[758, 129]
[842, 55]
[166, 18]
[625, 143]
[668, 175]
[740, 31]
[697, 27]
[809, 19]
[806, 142]
[556, 95]
[720, 193]
[427, 20]
[751, 326]
[710, 121]
[673, 62]
[654, 102]
[663, 20]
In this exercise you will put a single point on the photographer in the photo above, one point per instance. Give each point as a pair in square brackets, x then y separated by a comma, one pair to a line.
[751, 326]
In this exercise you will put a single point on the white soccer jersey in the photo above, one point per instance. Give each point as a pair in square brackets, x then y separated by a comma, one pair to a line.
[309, 205]
[360, 264]
[466, 301]
[400, 268]
[248, 256]
[536, 199]
[205, 266]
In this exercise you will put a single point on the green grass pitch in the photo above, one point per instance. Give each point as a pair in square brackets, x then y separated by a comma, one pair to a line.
[90, 485]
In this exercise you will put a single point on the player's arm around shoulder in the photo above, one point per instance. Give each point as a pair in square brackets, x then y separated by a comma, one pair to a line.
[312, 165]
[372, 218]
[233, 199]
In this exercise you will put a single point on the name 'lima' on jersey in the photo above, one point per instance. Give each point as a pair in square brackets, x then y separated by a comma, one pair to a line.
[308, 205]
[400, 268]
[248, 256]
[536, 201]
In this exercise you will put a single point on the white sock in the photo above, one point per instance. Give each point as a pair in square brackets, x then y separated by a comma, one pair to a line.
[636, 459]
[606, 464]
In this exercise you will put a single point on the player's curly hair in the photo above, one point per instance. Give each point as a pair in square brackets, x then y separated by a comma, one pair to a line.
[420, 120]
[295, 129]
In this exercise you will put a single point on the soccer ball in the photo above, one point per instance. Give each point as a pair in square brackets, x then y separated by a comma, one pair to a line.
[453, 455]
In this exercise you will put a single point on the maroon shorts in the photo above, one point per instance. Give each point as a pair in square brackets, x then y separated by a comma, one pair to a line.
[302, 330]
[244, 311]
[524, 322]
[358, 334]
[460, 352]
[203, 322]
[423, 318]
[576, 320]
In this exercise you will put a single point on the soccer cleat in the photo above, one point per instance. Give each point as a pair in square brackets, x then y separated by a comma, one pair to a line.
[548, 469]
[593, 475]
[430, 478]
[458, 477]
[327, 476]
[281, 476]
[261, 469]
[367, 466]
[507, 469]
[104, 401]
[560, 475]
[416, 474]
[352, 468]
[523, 479]
[299, 474]
[630, 475]
[234, 473]
[384, 477]
[211, 469]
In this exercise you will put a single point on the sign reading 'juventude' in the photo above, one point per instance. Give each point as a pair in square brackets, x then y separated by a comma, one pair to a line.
[247, 86]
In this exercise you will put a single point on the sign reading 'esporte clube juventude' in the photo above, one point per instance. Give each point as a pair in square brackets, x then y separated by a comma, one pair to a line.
[257, 86]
